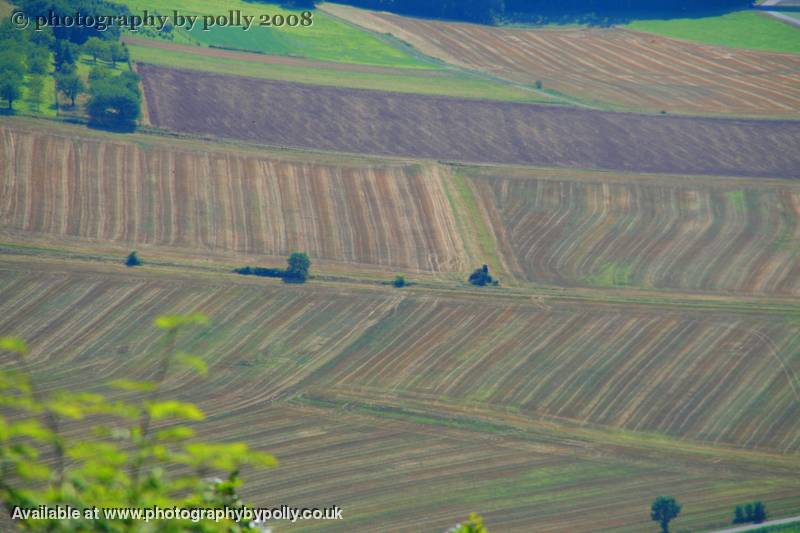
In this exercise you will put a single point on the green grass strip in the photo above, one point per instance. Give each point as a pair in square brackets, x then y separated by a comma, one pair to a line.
[740, 29]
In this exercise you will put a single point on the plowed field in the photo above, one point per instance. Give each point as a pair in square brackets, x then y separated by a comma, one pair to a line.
[409, 410]
[609, 66]
[431, 127]
[229, 203]
[648, 232]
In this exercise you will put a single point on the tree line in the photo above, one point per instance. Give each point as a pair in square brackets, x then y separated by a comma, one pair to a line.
[587, 11]
[27, 57]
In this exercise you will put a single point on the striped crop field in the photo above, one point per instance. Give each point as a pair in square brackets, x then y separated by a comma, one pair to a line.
[654, 232]
[208, 201]
[615, 67]
[555, 227]
[317, 375]
[705, 377]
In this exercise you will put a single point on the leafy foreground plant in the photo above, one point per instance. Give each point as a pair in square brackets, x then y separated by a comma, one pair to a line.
[120, 460]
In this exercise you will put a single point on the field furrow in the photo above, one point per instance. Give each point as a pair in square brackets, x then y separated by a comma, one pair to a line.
[133, 194]
[656, 233]
[377, 401]
[611, 66]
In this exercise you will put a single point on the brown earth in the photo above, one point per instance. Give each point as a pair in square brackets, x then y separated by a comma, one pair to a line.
[430, 127]
[203, 202]
[609, 66]
[659, 232]
[415, 407]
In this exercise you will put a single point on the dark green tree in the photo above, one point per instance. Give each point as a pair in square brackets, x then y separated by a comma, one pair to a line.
[65, 54]
[69, 83]
[118, 52]
[131, 81]
[99, 72]
[35, 88]
[133, 260]
[759, 512]
[481, 277]
[298, 268]
[10, 89]
[113, 105]
[399, 281]
[738, 515]
[39, 61]
[97, 48]
[664, 510]
[12, 60]
[748, 512]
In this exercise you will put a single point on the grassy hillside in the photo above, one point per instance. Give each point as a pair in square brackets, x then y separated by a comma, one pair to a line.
[741, 29]
[445, 83]
[327, 39]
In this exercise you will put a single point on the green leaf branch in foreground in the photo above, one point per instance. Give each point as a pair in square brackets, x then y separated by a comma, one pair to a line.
[121, 458]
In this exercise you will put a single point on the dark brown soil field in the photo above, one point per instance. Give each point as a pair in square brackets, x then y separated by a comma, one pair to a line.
[372, 122]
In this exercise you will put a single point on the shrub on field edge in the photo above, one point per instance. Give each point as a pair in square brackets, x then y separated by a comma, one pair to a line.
[258, 271]
[481, 277]
[133, 260]
[664, 510]
[754, 512]
[297, 270]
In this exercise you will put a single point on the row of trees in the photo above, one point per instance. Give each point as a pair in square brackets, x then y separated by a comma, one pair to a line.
[298, 269]
[665, 509]
[27, 56]
[112, 51]
[299, 265]
[488, 11]
[754, 512]
[24, 63]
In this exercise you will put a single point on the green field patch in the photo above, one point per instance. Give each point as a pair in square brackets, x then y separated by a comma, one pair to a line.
[456, 85]
[46, 105]
[741, 29]
[85, 65]
[612, 274]
[327, 39]
[737, 200]
[472, 223]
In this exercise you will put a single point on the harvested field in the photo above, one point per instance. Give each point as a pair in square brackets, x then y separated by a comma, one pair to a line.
[702, 377]
[667, 233]
[371, 122]
[609, 66]
[168, 196]
[271, 350]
